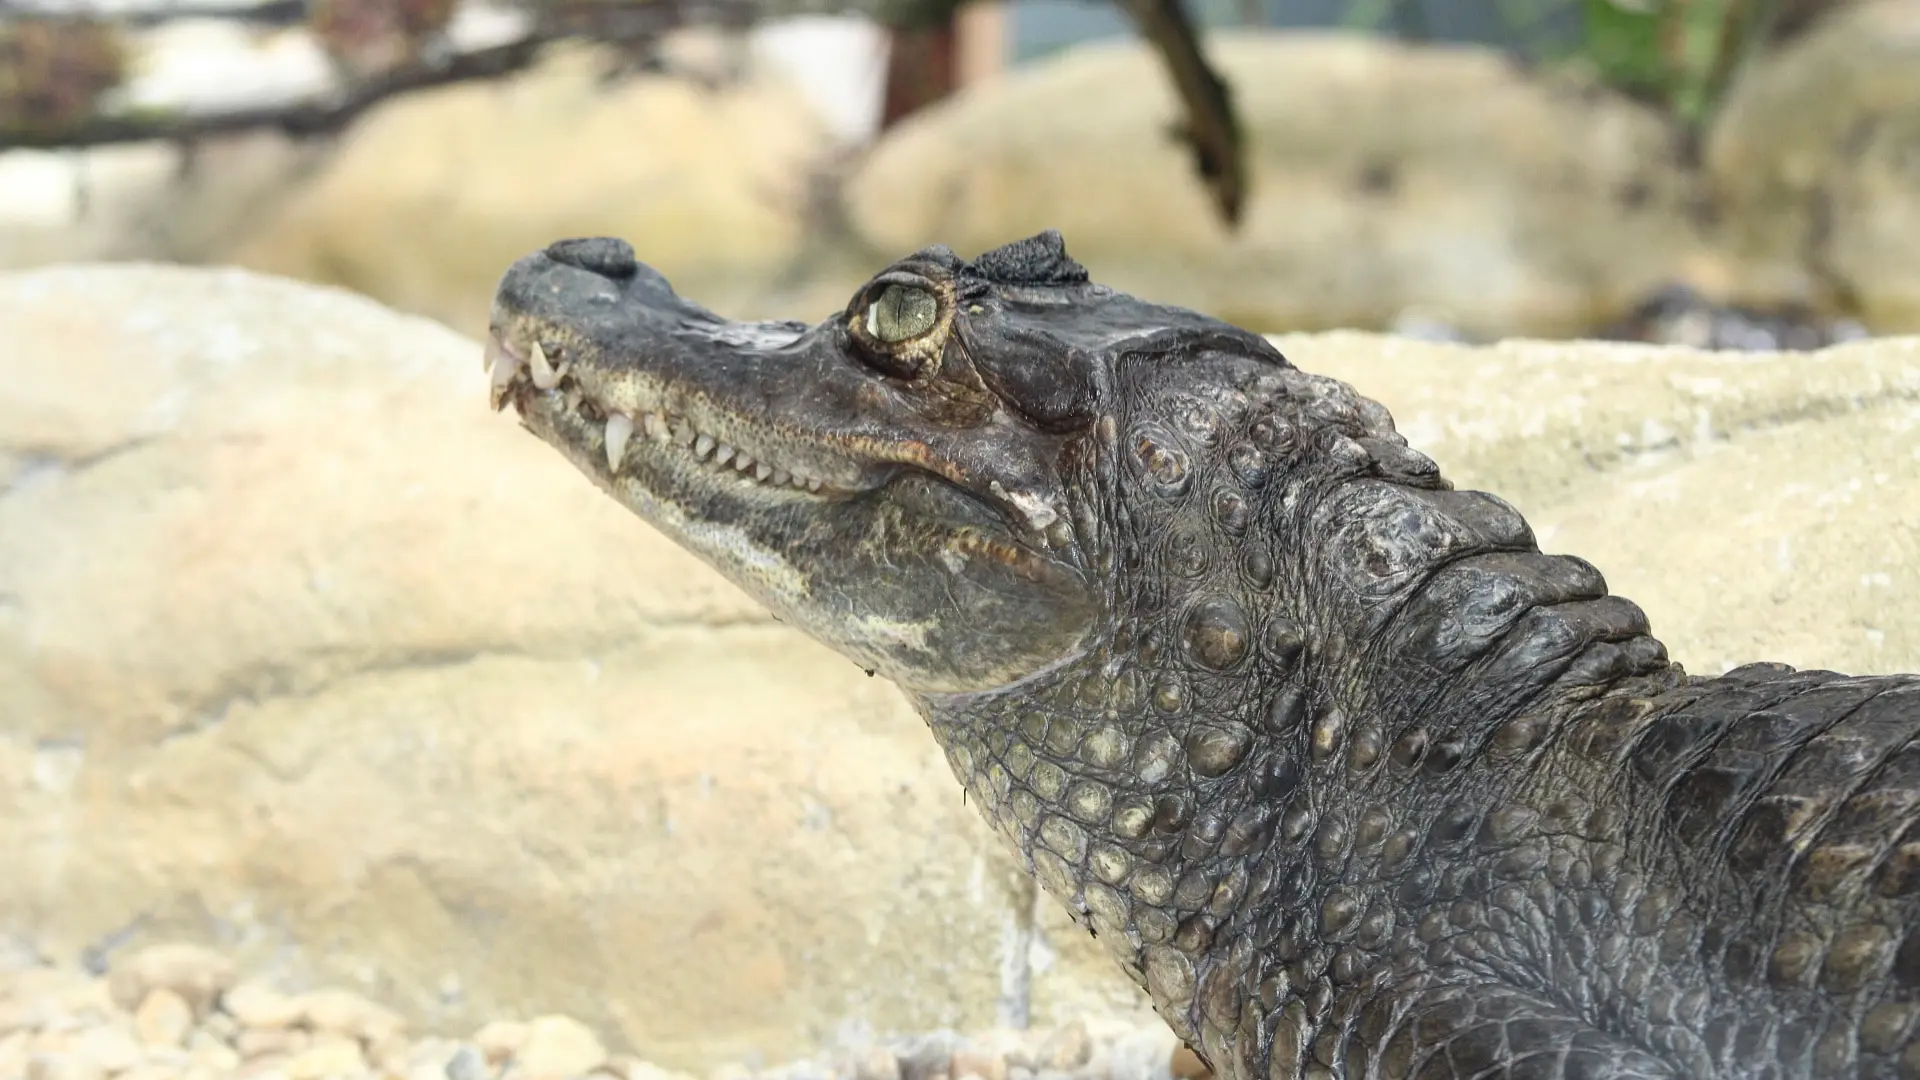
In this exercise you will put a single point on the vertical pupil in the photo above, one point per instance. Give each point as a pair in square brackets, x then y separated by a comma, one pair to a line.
[902, 312]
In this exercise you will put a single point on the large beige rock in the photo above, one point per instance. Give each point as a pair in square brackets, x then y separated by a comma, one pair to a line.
[305, 653]
[431, 195]
[1384, 177]
[1815, 166]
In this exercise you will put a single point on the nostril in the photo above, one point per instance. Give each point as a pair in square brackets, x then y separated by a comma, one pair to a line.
[603, 255]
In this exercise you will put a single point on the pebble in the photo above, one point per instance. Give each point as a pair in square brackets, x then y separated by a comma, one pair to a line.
[177, 1011]
[163, 1019]
[557, 1047]
[197, 974]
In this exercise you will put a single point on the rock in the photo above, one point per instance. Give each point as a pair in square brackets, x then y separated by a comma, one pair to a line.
[436, 193]
[196, 974]
[256, 1005]
[164, 1018]
[110, 1047]
[344, 1012]
[466, 1063]
[876, 1063]
[1066, 1049]
[1383, 176]
[329, 1055]
[979, 1064]
[501, 1039]
[557, 1047]
[254, 1044]
[62, 1067]
[1814, 163]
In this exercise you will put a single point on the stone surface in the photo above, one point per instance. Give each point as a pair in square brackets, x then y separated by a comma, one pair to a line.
[1383, 177]
[309, 654]
[1814, 164]
[432, 196]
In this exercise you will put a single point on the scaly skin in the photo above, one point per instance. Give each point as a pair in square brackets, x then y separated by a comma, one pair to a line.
[1346, 773]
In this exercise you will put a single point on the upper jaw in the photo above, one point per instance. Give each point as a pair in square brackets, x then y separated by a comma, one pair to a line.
[694, 434]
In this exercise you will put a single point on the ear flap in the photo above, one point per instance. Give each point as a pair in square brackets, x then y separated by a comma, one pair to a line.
[1050, 382]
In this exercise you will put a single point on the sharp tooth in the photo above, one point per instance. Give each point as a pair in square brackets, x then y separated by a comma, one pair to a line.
[742, 461]
[779, 477]
[544, 375]
[656, 426]
[813, 485]
[682, 432]
[722, 454]
[797, 480]
[762, 471]
[500, 375]
[703, 446]
[619, 430]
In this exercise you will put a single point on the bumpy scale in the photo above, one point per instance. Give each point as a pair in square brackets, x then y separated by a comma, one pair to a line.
[1345, 772]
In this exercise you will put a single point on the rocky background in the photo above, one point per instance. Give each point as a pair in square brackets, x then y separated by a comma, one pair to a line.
[345, 731]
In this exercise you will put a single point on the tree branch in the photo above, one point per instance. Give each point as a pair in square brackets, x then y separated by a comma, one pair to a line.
[1212, 126]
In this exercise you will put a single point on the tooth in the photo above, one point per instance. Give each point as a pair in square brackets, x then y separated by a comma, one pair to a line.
[619, 430]
[500, 374]
[762, 471]
[544, 375]
[742, 462]
[682, 431]
[813, 485]
[703, 446]
[797, 480]
[656, 426]
[779, 478]
[722, 454]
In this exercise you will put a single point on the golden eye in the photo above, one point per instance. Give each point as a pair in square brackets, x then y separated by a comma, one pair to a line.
[901, 313]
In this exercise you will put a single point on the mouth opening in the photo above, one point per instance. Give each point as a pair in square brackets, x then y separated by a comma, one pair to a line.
[533, 380]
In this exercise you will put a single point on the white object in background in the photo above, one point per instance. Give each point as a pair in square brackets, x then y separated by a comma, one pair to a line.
[837, 62]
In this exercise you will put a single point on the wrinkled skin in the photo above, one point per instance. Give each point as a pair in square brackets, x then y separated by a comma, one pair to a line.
[1343, 770]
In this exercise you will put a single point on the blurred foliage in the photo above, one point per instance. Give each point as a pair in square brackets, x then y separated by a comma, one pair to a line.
[54, 71]
[1678, 54]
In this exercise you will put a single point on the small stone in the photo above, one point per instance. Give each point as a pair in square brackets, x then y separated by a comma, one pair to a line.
[347, 1013]
[151, 1070]
[467, 1063]
[163, 1019]
[1187, 1065]
[221, 1026]
[209, 1051]
[18, 1015]
[1066, 1049]
[110, 1047]
[262, 1042]
[499, 1040]
[876, 1063]
[558, 1046]
[330, 1055]
[197, 974]
[254, 1004]
[62, 1067]
[981, 1064]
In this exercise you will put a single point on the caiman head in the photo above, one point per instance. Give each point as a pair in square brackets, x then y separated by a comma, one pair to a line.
[921, 481]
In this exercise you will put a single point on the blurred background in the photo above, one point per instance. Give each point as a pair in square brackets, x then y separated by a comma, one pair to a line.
[1454, 168]
[345, 731]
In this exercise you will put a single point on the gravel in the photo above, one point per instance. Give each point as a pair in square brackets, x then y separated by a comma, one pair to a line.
[182, 1012]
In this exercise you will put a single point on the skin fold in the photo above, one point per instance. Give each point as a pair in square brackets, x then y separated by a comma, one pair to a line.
[1338, 766]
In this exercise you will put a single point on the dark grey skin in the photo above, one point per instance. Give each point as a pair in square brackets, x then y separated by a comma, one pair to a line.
[1345, 772]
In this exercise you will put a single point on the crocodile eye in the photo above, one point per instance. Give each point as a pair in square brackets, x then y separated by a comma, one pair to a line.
[901, 313]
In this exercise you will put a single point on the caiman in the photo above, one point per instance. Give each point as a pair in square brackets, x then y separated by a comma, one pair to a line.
[1343, 770]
